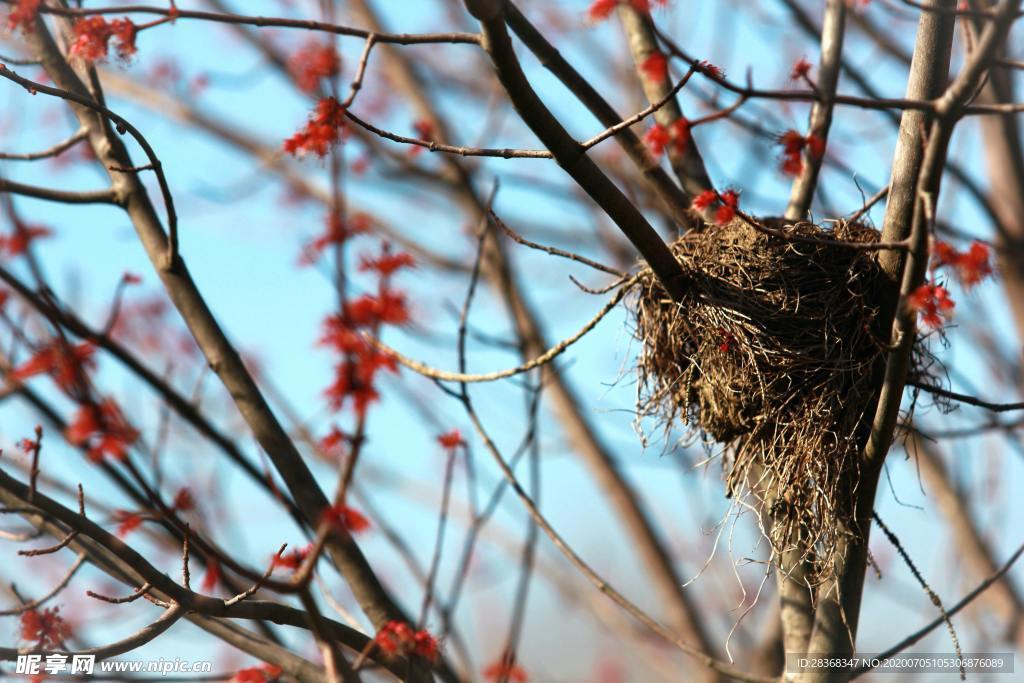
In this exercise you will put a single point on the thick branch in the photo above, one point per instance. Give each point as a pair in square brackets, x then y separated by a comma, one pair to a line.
[568, 153]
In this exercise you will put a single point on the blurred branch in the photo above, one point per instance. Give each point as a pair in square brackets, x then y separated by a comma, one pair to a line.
[53, 151]
[971, 547]
[64, 196]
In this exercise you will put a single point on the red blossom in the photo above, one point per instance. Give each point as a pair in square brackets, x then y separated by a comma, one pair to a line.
[333, 442]
[971, 266]
[704, 200]
[505, 669]
[601, 9]
[388, 307]
[793, 146]
[801, 69]
[725, 204]
[424, 131]
[125, 32]
[679, 131]
[45, 629]
[325, 128]
[338, 231]
[127, 522]
[677, 135]
[66, 364]
[399, 638]
[131, 279]
[727, 340]
[103, 430]
[645, 5]
[932, 303]
[23, 15]
[293, 559]
[656, 139]
[183, 499]
[387, 263]
[23, 236]
[709, 69]
[354, 378]
[344, 517]
[730, 203]
[314, 61]
[93, 34]
[655, 67]
[212, 576]
[451, 440]
[264, 673]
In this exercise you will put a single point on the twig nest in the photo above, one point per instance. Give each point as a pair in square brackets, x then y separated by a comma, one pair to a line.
[772, 352]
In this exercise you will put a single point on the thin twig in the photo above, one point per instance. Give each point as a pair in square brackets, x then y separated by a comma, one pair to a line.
[543, 359]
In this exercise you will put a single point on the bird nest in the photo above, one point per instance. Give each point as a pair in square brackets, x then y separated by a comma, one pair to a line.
[772, 351]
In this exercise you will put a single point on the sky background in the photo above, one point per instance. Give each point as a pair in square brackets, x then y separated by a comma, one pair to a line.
[241, 238]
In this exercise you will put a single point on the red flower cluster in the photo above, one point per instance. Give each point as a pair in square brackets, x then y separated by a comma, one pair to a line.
[724, 204]
[933, 304]
[313, 62]
[727, 340]
[505, 669]
[399, 638]
[18, 242]
[23, 15]
[361, 360]
[212, 576]
[127, 522]
[63, 362]
[183, 500]
[264, 673]
[424, 131]
[46, 629]
[387, 263]
[602, 9]
[676, 137]
[326, 127]
[801, 69]
[343, 517]
[28, 445]
[709, 69]
[93, 34]
[655, 67]
[971, 266]
[451, 440]
[793, 145]
[332, 444]
[338, 231]
[102, 429]
[294, 559]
